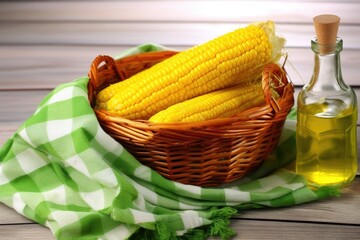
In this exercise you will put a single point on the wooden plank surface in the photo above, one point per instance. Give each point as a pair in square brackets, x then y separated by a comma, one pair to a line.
[20, 104]
[253, 229]
[9, 216]
[46, 43]
[246, 229]
[175, 11]
[28, 30]
[45, 67]
[25, 232]
[333, 210]
[333, 218]
[162, 33]
[337, 210]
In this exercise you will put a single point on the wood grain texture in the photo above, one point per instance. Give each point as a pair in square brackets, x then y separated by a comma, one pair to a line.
[167, 33]
[333, 210]
[288, 230]
[47, 43]
[333, 218]
[246, 229]
[74, 37]
[191, 11]
[9, 216]
[19, 105]
[25, 232]
[45, 67]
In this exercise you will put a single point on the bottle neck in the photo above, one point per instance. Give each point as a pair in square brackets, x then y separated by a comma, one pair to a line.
[327, 76]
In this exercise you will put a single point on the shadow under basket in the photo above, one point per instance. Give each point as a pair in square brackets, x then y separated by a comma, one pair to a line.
[207, 153]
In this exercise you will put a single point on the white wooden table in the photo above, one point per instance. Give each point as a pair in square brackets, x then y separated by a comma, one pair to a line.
[46, 43]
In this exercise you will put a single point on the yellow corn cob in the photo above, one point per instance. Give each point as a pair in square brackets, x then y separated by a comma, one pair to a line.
[221, 103]
[225, 61]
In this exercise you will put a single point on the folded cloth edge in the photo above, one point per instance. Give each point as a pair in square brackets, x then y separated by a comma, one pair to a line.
[91, 179]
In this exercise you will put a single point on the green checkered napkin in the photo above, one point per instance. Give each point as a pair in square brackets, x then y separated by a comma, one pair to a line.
[62, 170]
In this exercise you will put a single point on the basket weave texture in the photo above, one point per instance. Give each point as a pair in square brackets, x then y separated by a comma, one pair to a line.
[207, 153]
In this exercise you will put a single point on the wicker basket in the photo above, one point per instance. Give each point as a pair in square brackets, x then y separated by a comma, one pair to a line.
[206, 153]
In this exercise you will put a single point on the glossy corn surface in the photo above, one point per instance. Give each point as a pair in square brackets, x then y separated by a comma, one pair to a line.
[225, 61]
[218, 104]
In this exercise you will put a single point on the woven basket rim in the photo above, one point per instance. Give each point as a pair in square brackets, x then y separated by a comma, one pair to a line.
[271, 104]
[205, 153]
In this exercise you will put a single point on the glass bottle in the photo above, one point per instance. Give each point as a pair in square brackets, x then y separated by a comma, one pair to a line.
[326, 121]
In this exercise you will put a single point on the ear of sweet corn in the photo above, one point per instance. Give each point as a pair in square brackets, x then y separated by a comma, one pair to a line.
[225, 61]
[218, 104]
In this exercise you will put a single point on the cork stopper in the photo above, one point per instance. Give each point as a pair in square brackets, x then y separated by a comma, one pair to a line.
[326, 27]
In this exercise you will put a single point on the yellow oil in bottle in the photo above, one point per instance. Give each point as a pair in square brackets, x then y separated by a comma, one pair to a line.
[327, 113]
[326, 145]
